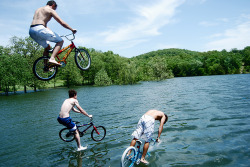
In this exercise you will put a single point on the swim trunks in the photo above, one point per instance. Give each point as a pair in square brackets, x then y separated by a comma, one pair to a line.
[43, 35]
[145, 126]
[67, 122]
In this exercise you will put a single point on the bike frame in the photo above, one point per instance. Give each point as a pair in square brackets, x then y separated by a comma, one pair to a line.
[90, 124]
[70, 47]
[138, 154]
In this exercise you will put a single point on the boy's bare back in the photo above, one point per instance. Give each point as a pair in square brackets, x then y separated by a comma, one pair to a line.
[157, 115]
[42, 16]
[67, 106]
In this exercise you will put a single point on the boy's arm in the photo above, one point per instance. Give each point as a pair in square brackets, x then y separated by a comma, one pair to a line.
[60, 21]
[75, 110]
[81, 110]
[161, 128]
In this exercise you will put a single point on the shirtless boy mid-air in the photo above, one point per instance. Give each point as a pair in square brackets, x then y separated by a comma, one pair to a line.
[66, 120]
[40, 33]
[146, 126]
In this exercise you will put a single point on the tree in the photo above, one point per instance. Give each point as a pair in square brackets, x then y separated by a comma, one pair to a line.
[70, 73]
[102, 78]
[246, 59]
[25, 51]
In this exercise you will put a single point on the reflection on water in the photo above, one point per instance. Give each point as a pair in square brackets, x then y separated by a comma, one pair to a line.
[208, 123]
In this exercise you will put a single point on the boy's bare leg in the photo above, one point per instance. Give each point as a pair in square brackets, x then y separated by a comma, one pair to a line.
[77, 138]
[55, 51]
[133, 142]
[78, 142]
[145, 150]
[46, 53]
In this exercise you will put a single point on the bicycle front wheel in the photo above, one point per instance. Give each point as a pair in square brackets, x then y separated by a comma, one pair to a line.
[67, 135]
[42, 70]
[98, 133]
[82, 59]
[128, 157]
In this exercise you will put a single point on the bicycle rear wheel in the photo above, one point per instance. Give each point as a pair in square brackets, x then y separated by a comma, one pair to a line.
[98, 133]
[67, 135]
[128, 159]
[82, 59]
[42, 70]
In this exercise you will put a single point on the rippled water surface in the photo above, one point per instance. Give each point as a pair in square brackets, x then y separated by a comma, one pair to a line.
[209, 123]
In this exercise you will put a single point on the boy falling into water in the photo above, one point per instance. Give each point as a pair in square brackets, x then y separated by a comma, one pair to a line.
[66, 120]
[146, 126]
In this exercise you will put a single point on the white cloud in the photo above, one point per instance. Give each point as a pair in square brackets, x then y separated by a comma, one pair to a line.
[217, 22]
[237, 37]
[147, 21]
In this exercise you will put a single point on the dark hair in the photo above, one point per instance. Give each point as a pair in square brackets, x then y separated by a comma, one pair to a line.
[50, 3]
[72, 93]
[166, 118]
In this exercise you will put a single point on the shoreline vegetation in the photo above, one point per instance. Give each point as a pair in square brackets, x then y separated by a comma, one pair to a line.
[107, 68]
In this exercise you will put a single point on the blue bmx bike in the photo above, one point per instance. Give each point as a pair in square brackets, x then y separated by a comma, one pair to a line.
[132, 155]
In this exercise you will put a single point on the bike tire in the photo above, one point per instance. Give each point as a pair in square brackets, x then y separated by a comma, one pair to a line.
[102, 133]
[42, 71]
[128, 160]
[82, 59]
[66, 135]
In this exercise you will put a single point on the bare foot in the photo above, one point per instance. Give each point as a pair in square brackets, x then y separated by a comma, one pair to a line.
[143, 160]
[81, 148]
[54, 62]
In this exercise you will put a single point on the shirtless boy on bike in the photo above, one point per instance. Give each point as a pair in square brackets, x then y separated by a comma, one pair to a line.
[146, 126]
[42, 34]
[66, 120]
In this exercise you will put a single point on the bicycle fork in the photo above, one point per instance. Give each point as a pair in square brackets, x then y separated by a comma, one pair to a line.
[96, 130]
[139, 154]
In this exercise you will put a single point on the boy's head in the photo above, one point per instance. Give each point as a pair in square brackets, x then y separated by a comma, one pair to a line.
[166, 118]
[51, 3]
[72, 93]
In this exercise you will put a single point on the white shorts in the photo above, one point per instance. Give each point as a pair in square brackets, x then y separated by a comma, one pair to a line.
[145, 127]
[43, 35]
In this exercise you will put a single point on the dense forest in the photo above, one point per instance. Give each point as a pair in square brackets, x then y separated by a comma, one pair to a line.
[108, 68]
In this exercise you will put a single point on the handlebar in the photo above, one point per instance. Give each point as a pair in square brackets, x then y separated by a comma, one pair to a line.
[91, 118]
[154, 141]
[70, 39]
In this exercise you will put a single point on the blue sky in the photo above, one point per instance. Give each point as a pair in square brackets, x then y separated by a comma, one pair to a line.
[130, 28]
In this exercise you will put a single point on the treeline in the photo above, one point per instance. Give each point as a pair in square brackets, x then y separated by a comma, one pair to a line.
[184, 63]
[107, 68]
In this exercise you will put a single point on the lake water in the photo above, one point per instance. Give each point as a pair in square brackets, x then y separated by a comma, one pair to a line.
[209, 123]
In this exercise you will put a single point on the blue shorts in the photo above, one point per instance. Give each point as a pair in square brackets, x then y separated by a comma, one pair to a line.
[67, 122]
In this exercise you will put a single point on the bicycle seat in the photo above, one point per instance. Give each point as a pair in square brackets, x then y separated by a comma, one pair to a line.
[138, 142]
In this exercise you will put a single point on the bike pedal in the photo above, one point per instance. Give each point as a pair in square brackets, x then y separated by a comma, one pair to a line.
[81, 134]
